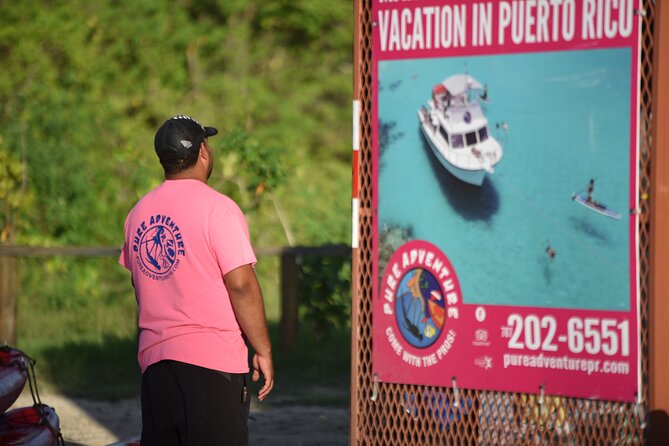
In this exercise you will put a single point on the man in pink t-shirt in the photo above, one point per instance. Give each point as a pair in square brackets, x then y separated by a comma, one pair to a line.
[188, 249]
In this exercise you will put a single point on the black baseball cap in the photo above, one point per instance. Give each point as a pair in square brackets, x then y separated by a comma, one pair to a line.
[180, 133]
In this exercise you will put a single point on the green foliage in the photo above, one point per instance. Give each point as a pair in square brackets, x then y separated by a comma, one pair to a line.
[250, 168]
[12, 193]
[71, 298]
[86, 84]
[325, 295]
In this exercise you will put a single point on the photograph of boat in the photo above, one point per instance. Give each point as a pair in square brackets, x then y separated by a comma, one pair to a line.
[456, 129]
[556, 120]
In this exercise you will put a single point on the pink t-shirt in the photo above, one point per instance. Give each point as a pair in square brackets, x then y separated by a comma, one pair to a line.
[180, 240]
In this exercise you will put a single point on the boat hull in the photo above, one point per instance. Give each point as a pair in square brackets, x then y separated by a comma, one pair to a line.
[13, 376]
[474, 177]
[37, 425]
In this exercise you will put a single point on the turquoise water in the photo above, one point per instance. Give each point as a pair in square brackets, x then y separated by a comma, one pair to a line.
[568, 121]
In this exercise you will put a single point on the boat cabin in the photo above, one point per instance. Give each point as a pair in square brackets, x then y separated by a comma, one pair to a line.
[462, 140]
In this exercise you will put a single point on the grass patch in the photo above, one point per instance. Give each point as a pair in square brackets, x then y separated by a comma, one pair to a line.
[100, 370]
[314, 371]
[77, 319]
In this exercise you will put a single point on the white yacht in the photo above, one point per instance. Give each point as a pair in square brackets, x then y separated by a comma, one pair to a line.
[457, 130]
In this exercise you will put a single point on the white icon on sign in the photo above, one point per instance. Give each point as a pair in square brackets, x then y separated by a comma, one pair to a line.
[481, 335]
[485, 362]
[480, 314]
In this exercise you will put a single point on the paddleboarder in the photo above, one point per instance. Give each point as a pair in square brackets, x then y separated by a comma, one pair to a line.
[591, 188]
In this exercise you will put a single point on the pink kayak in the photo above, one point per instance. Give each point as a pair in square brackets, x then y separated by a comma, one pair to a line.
[13, 375]
[37, 425]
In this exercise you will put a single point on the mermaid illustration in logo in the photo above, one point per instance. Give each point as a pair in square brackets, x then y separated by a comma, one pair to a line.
[420, 307]
[158, 249]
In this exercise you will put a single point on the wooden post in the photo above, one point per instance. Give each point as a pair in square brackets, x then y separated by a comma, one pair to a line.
[289, 299]
[9, 281]
[658, 311]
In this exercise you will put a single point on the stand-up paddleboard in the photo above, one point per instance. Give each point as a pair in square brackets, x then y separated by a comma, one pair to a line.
[13, 376]
[37, 425]
[595, 206]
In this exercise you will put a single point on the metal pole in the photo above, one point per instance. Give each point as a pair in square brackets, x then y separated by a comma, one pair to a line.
[659, 247]
[355, 265]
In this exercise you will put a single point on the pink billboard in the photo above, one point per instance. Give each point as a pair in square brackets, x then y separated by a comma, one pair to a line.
[505, 148]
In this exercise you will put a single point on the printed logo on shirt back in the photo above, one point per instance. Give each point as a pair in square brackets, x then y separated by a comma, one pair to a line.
[158, 245]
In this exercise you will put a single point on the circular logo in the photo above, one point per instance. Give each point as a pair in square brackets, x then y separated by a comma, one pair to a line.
[419, 308]
[157, 249]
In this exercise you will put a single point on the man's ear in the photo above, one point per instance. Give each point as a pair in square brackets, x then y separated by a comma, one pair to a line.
[204, 153]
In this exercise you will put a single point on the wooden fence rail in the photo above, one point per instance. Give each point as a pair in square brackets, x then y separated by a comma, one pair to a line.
[289, 291]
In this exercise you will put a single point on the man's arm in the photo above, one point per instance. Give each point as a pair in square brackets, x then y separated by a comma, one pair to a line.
[247, 302]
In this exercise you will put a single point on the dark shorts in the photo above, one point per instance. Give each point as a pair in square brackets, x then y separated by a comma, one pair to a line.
[183, 404]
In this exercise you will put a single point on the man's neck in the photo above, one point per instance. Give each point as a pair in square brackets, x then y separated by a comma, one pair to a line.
[187, 175]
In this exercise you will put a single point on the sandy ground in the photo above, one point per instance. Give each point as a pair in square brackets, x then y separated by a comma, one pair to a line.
[99, 423]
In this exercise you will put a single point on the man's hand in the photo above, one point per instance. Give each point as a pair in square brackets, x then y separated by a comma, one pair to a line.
[263, 365]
